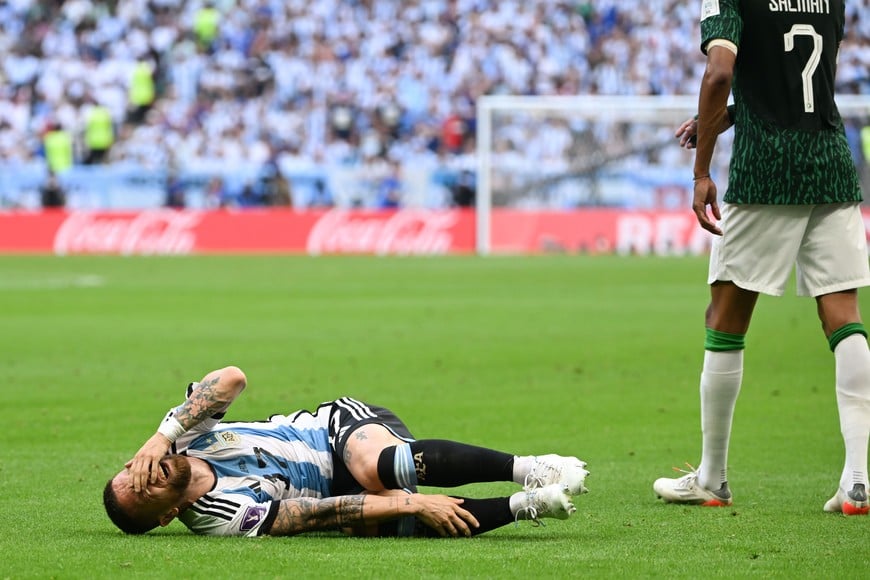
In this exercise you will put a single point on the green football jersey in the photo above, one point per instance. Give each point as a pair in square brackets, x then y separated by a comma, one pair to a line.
[789, 142]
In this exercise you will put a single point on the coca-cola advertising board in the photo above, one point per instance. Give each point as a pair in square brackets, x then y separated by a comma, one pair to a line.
[400, 232]
[166, 231]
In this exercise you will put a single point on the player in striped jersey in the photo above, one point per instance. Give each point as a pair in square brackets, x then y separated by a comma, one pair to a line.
[347, 465]
[793, 199]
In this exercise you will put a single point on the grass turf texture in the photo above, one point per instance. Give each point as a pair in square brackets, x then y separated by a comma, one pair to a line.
[593, 356]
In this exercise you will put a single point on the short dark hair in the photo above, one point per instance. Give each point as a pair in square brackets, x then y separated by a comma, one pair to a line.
[119, 516]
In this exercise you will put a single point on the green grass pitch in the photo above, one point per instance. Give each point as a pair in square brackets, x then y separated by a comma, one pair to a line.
[597, 357]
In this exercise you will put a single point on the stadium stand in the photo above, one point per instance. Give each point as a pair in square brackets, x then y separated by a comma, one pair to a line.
[241, 89]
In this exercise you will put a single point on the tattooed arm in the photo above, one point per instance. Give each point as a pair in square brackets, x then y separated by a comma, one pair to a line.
[212, 395]
[440, 512]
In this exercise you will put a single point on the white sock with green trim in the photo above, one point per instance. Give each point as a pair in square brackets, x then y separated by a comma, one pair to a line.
[720, 385]
[852, 359]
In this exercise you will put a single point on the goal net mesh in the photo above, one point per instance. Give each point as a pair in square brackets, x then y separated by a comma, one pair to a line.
[566, 153]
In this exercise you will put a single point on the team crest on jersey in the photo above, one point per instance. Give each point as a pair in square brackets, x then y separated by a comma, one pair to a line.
[230, 438]
[222, 440]
[709, 8]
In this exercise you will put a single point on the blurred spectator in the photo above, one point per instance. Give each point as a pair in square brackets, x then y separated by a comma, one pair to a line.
[454, 130]
[99, 133]
[52, 193]
[463, 190]
[215, 194]
[321, 198]
[175, 192]
[249, 197]
[390, 188]
[58, 147]
[142, 92]
[275, 186]
[206, 23]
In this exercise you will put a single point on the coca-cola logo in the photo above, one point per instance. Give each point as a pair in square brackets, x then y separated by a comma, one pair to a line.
[144, 233]
[406, 232]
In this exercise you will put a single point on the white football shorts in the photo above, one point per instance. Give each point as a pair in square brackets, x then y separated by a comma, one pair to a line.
[826, 244]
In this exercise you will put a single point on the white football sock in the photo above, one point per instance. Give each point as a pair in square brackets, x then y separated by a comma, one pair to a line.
[720, 385]
[852, 359]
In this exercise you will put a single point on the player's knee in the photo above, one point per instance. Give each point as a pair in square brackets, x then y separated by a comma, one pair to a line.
[838, 310]
[396, 467]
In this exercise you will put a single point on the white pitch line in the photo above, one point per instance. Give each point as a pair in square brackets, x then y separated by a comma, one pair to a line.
[51, 283]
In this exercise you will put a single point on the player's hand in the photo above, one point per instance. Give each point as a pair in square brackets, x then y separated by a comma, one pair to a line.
[705, 194]
[445, 515]
[687, 133]
[144, 467]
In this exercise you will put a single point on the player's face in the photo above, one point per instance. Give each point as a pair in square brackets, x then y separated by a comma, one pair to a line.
[160, 496]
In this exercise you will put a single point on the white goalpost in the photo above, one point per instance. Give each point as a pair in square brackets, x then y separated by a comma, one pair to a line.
[564, 153]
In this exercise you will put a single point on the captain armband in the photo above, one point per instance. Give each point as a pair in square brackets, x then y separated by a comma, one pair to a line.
[171, 429]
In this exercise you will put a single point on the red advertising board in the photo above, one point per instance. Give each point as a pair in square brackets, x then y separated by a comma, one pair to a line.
[167, 231]
[402, 232]
[597, 231]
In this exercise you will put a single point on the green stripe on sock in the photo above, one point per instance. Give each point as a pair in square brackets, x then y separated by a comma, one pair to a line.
[845, 331]
[722, 341]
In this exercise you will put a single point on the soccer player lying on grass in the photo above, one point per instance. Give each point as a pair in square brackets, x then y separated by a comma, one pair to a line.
[348, 466]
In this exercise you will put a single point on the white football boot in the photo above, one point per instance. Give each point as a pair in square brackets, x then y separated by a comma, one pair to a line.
[550, 469]
[549, 501]
[687, 490]
[851, 503]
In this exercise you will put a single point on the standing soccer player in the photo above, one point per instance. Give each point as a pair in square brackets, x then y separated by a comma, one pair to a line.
[793, 198]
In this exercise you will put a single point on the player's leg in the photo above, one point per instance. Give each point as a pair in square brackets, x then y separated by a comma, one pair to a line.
[848, 341]
[444, 463]
[831, 265]
[378, 460]
[756, 253]
[727, 322]
[380, 453]
[550, 501]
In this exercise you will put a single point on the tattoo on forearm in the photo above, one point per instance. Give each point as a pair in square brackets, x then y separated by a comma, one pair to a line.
[204, 402]
[350, 510]
[308, 514]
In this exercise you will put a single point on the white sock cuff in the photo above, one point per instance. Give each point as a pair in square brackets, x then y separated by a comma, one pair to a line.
[852, 359]
[728, 361]
[850, 344]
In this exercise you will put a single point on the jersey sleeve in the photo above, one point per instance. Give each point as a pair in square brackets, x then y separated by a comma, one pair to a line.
[720, 19]
[230, 514]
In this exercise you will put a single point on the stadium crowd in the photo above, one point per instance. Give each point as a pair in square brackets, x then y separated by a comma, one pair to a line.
[292, 85]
